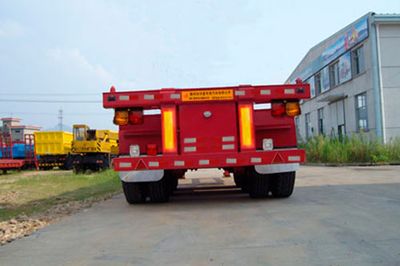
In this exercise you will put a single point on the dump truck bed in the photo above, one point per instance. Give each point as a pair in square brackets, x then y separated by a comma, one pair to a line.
[53, 142]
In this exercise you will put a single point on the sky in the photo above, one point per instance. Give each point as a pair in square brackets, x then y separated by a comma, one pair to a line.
[63, 54]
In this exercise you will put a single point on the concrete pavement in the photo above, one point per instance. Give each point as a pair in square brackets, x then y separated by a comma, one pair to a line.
[336, 216]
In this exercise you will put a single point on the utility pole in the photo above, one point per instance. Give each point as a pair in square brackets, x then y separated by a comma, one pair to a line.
[60, 119]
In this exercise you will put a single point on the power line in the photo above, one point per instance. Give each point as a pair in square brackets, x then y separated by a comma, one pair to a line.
[47, 101]
[53, 114]
[54, 94]
[60, 118]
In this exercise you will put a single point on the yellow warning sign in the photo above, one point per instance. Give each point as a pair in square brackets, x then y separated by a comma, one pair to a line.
[207, 95]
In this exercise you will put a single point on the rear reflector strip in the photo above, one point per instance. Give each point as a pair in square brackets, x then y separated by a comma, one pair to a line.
[289, 91]
[231, 160]
[204, 162]
[228, 146]
[175, 96]
[265, 92]
[190, 149]
[179, 163]
[154, 164]
[256, 160]
[228, 138]
[125, 165]
[149, 97]
[124, 98]
[246, 126]
[293, 158]
[240, 93]
[189, 140]
[168, 122]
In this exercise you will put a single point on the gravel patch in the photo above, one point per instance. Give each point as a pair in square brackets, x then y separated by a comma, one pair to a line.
[23, 226]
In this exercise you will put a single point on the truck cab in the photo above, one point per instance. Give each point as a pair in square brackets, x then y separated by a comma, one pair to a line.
[93, 149]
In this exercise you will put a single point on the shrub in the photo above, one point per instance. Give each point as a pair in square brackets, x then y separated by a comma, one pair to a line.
[358, 148]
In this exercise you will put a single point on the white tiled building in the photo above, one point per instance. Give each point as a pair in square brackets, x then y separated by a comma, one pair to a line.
[355, 80]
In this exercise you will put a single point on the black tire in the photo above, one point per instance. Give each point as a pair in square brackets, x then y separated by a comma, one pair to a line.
[67, 163]
[77, 169]
[259, 184]
[238, 179]
[159, 191]
[282, 184]
[172, 183]
[134, 192]
[241, 181]
[106, 163]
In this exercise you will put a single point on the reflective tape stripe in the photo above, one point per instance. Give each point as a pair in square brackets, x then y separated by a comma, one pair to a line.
[154, 164]
[125, 165]
[289, 91]
[204, 162]
[265, 92]
[124, 98]
[228, 138]
[228, 146]
[149, 97]
[294, 158]
[256, 160]
[190, 149]
[231, 160]
[175, 96]
[189, 140]
[179, 163]
[240, 93]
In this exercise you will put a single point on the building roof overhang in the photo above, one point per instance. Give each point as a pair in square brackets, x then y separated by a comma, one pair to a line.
[333, 97]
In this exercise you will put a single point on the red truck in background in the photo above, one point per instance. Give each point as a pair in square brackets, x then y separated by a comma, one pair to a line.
[246, 130]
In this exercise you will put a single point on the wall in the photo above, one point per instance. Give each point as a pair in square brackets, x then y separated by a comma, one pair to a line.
[389, 46]
[358, 84]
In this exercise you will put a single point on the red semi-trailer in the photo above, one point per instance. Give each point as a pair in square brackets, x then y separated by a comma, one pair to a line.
[246, 130]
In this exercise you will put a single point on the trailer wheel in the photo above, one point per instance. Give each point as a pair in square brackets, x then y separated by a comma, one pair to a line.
[172, 181]
[134, 192]
[258, 184]
[159, 191]
[241, 181]
[282, 184]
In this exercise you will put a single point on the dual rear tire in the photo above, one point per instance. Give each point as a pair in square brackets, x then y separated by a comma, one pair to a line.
[157, 191]
[280, 185]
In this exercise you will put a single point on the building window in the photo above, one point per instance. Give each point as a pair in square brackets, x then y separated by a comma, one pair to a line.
[334, 74]
[297, 124]
[311, 81]
[358, 60]
[361, 112]
[321, 121]
[318, 83]
[308, 126]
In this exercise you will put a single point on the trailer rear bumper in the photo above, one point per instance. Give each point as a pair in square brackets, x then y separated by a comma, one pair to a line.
[218, 160]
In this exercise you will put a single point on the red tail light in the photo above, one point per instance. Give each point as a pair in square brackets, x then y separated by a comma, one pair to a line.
[151, 149]
[246, 126]
[278, 109]
[136, 117]
[168, 121]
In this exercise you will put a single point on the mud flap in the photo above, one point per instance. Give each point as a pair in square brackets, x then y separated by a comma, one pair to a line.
[141, 176]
